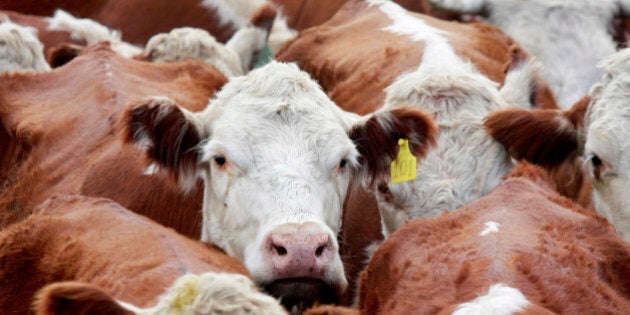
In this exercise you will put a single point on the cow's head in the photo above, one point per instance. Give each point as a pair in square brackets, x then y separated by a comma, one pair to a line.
[593, 131]
[467, 162]
[276, 155]
[607, 150]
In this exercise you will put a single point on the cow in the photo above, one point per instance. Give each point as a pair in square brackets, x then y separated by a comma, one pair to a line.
[568, 37]
[129, 260]
[21, 50]
[521, 249]
[276, 155]
[592, 131]
[60, 133]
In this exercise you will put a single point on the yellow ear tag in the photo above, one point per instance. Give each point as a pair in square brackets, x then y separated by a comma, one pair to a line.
[404, 166]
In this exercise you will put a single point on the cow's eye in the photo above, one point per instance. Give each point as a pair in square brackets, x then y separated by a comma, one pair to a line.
[383, 188]
[595, 160]
[598, 167]
[220, 160]
[343, 163]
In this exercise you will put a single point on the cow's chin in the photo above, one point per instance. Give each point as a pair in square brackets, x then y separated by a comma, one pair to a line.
[298, 294]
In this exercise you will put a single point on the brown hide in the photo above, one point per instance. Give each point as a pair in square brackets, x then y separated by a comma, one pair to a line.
[62, 135]
[562, 257]
[138, 20]
[354, 59]
[96, 241]
[308, 13]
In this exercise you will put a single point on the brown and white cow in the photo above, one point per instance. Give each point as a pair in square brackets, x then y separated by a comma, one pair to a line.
[522, 249]
[276, 155]
[97, 243]
[594, 129]
[568, 37]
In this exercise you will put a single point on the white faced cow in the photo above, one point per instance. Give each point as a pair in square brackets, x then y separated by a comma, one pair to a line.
[596, 130]
[276, 155]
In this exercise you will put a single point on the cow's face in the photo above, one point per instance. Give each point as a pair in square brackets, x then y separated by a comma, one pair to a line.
[276, 156]
[607, 149]
[467, 162]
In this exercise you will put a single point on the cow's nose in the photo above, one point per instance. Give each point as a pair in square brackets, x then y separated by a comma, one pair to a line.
[300, 255]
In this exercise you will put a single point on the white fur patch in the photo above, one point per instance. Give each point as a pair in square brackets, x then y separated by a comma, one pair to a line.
[212, 293]
[189, 43]
[472, 6]
[491, 227]
[91, 32]
[20, 48]
[500, 300]
[151, 170]
[236, 12]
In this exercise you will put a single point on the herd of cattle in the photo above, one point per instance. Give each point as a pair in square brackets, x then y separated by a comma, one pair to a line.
[155, 160]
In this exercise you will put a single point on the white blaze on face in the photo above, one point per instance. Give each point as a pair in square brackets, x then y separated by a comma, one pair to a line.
[467, 163]
[607, 149]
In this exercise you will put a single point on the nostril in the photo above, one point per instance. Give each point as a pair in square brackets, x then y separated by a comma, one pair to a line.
[319, 250]
[280, 250]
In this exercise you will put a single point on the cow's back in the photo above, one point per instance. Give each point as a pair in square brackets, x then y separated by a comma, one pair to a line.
[63, 135]
[355, 59]
[96, 241]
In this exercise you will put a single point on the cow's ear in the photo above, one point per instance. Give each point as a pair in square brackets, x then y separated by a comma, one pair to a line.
[76, 298]
[543, 137]
[169, 134]
[62, 54]
[376, 139]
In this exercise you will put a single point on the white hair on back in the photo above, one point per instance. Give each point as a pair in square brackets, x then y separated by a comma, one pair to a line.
[20, 48]
[212, 293]
[91, 32]
[187, 43]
